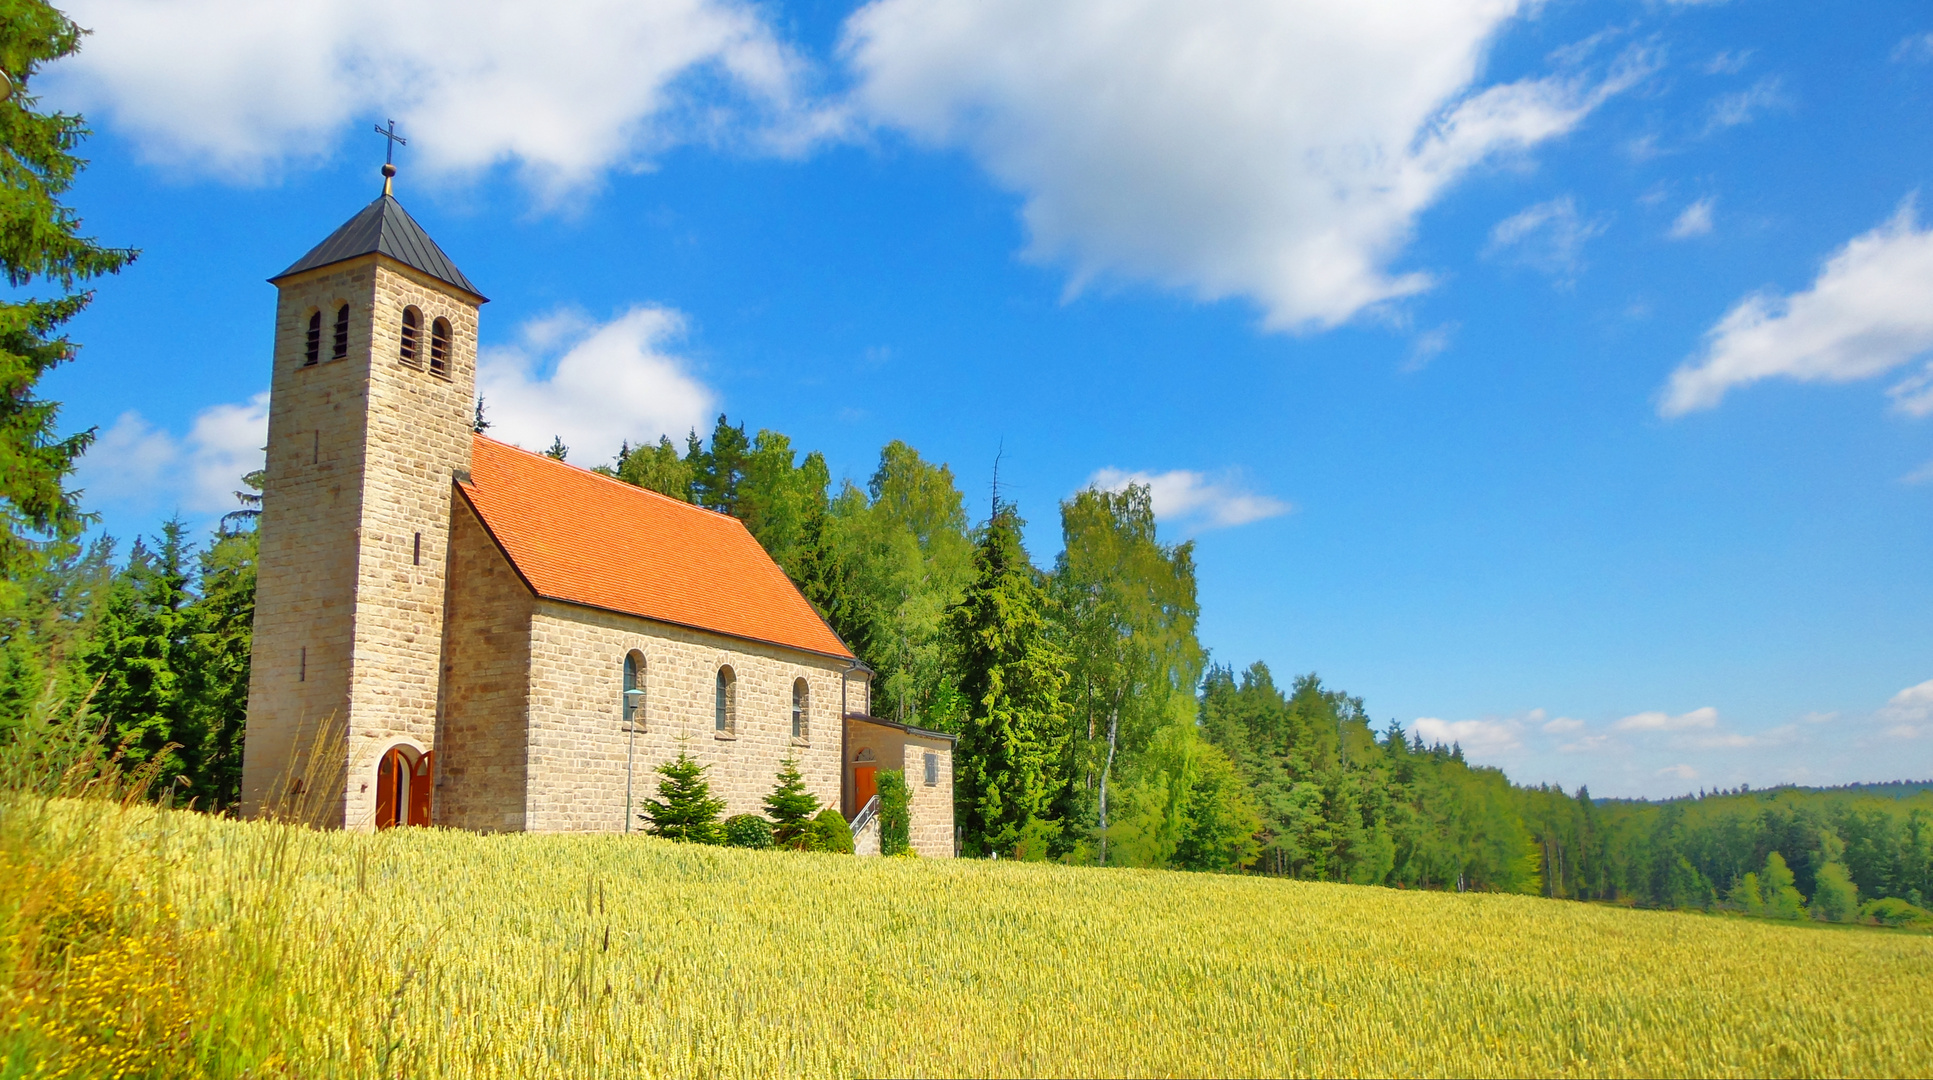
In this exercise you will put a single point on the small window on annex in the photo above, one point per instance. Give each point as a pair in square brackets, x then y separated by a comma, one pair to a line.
[342, 334]
[725, 701]
[440, 347]
[633, 710]
[801, 701]
[312, 351]
[412, 348]
[932, 769]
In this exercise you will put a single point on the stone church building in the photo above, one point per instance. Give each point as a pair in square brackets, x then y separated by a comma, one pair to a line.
[510, 642]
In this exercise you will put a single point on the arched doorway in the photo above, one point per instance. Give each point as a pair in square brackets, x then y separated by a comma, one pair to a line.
[403, 783]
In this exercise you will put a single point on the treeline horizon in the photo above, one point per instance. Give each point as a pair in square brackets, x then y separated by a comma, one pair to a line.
[1093, 727]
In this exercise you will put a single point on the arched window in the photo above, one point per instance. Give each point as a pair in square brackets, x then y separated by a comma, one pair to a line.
[342, 334]
[801, 700]
[633, 710]
[725, 701]
[313, 351]
[440, 347]
[412, 329]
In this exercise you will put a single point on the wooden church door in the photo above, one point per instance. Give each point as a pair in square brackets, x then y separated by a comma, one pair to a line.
[420, 782]
[403, 789]
[864, 786]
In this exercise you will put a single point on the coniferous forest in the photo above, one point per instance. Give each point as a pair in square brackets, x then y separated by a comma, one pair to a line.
[1093, 727]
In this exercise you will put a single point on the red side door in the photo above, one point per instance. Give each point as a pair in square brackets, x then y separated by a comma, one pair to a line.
[386, 789]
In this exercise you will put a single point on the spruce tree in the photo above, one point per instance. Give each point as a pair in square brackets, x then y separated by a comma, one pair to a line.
[687, 812]
[790, 806]
[221, 635]
[140, 655]
[39, 242]
[1012, 676]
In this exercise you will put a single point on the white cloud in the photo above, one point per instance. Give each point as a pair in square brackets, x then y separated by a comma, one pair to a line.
[1914, 47]
[1682, 772]
[1656, 721]
[1869, 311]
[1429, 345]
[1564, 725]
[1192, 499]
[1727, 62]
[592, 384]
[1278, 150]
[1696, 220]
[563, 90]
[1733, 110]
[1475, 736]
[1913, 705]
[135, 464]
[1549, 236]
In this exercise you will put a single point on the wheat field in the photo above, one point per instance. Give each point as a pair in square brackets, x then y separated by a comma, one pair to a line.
[286, 951]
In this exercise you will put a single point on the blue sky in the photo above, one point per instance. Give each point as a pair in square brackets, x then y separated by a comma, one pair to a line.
[1554, 376]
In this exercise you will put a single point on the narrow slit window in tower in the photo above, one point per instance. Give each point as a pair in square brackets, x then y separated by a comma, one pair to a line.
[342, 334]
[417, 557]
[412, 329]
[302, 666]
[313, 350]
[440, 347]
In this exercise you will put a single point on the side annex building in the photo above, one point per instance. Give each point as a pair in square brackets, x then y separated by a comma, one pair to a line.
[508, 642]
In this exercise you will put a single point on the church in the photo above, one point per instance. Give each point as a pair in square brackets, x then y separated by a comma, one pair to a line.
[512, 643]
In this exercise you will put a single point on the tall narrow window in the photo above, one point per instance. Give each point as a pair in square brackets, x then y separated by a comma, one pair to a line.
[932, 769]
[633, 688]
[725, 701]
[342, 334]
[416, 557]
[800, 698]
[313, 351]
[412, 330]
[440, 347]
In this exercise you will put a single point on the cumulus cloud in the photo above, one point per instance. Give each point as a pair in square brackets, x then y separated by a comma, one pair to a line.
[1549, 236]
[1656, 721]
[1194, 500]
[1910, 711]
[1475, 736]
[137, 465]
[592, 384]
[1682, 772]
[1869, 311]
[1564, 725]
[562, 90]
[1696, 220]
[1277, 150]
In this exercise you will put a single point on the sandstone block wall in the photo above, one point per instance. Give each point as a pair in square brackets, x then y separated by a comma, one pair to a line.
[355, 523]
[929, 815]
[481, 769]
[577, 738]
[311, 513]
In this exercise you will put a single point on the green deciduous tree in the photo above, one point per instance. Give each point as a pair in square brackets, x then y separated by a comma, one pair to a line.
[657, 467]
[685, 810]
[1782, 899]
[1012, 675]
[40, 241]
[1834, 897]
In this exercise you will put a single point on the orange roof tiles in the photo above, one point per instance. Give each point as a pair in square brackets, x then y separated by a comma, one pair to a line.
[587, 539]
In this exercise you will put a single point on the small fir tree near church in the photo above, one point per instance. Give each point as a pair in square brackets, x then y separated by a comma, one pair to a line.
[686, 811]
[791, 807]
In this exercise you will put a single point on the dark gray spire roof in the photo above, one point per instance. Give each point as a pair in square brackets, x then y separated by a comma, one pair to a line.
[385, 228]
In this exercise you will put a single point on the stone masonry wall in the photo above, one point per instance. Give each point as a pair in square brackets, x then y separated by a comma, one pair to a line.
[311, 510]
[929, 815]
[419, 438]
[480, 763]
[577, 737]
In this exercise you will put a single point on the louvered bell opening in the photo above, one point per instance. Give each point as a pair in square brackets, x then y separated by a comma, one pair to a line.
[313, 351]
[342, 333]
[412, 332]
[440, 347]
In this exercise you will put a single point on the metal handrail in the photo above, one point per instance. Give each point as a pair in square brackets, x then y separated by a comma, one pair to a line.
[865, 815]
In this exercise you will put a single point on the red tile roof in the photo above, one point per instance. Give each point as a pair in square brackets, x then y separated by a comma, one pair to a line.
[587, 539]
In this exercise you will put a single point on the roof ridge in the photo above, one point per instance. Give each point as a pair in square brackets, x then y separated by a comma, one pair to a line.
[625, 484]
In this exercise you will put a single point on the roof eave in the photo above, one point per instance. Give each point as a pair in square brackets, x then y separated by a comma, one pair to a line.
[381, 259]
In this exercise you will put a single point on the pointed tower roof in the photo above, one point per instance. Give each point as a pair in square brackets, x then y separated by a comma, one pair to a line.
[384, 228]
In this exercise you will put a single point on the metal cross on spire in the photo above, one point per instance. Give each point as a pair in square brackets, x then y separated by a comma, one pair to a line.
[389, 152]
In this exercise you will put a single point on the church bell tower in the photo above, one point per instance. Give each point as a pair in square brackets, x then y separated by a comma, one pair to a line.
[370, 410]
